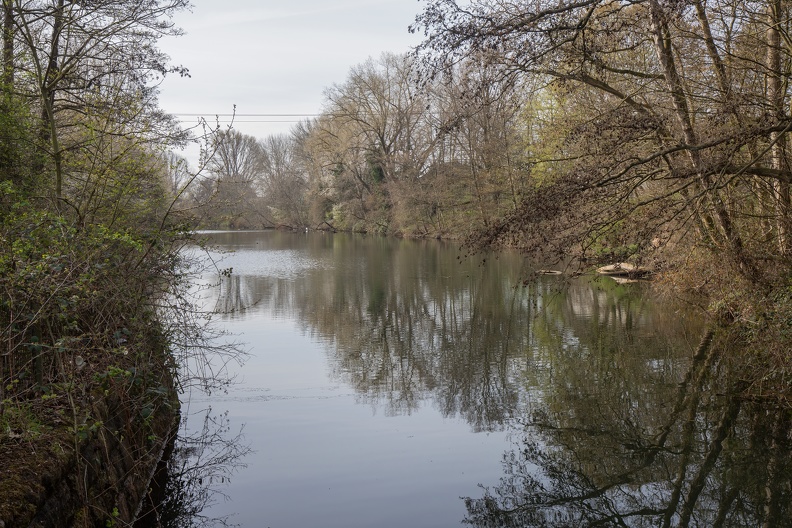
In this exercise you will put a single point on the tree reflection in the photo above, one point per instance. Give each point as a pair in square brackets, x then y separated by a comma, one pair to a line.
[409, 322]
[232, 295]
[199, 466]
[622, 416]
[701, 455]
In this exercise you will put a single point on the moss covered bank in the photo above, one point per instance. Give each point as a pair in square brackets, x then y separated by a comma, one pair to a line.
[88, 338]
[99, 475]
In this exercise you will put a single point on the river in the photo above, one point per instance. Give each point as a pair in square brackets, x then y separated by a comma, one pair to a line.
[397, 383]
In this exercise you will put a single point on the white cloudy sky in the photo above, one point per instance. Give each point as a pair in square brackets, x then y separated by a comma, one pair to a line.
[275, 56]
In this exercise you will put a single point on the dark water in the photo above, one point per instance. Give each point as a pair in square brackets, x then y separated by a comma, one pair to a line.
[392, 384]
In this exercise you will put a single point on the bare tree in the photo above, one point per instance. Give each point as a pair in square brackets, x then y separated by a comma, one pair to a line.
[284, 183]
[235, 172]
[379, 126]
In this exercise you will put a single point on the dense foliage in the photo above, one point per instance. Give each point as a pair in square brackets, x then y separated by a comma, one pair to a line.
[386, 155]
[89, 252]
[85, 236]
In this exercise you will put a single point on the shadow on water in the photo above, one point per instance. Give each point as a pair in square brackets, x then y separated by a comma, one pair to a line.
[193, 474]
[697, 454]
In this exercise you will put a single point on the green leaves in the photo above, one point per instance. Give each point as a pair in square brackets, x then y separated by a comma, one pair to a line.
[69, 290]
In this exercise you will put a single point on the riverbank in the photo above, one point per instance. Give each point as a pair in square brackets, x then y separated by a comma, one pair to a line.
[88, 396]
[96, 474]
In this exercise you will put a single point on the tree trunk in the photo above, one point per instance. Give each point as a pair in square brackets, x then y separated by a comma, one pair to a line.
[775, 95]
[8, 45]
[48, 84]
[712, 51]
[704, 186]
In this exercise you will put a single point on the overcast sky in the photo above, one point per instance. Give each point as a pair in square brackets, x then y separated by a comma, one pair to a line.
[275, 56]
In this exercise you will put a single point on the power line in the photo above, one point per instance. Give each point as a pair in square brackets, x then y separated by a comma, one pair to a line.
[245, 115]
[246, 118]
[227, 120]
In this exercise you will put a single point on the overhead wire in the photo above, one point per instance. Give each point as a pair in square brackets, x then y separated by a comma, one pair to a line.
[272, 118]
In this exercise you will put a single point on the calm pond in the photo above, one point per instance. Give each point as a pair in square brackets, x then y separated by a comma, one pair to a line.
[395, 383]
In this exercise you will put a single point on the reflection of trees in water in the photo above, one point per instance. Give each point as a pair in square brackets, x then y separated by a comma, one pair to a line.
[232, 295]
[408, 321]
[199, 467]
[699, 455]
[618, 426]
[475, 343]
[599, 346]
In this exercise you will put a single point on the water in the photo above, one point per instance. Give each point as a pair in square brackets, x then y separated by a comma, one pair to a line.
[391, 383]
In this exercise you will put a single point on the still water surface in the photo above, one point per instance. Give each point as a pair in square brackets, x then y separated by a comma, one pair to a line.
[393, 383]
